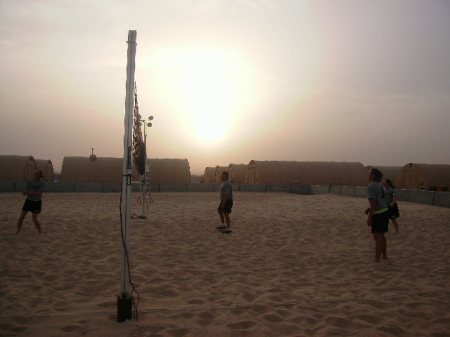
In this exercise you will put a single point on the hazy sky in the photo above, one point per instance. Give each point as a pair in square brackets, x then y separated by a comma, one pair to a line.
[228, 81]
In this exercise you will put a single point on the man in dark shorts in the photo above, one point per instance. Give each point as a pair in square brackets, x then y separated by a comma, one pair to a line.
[226, 203]
[378, 215]
[33, 203]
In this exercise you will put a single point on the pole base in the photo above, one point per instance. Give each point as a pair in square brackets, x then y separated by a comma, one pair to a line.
[124, 307]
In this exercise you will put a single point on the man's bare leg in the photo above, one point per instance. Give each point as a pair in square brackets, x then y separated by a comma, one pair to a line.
[36, 222]
[20, 222]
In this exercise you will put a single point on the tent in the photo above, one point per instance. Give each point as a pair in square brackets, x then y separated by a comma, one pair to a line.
[209, 175]
[389, 172]
[46, 166]
[218, 171]
[110, 170]
[17, 168]
[426, 177]
[102, 170]
[237, 173]
[306, 173]
[162, 171]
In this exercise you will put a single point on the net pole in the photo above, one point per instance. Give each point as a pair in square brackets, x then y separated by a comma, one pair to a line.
[144, 177]
[124, 303]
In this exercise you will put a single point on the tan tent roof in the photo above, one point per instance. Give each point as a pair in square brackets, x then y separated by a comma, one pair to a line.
[209, 175]
[102, 170]
[110, 170]
[306, 173]
[218, 171]
[237, 173]
[164, 171]
[389, 172]
[16, 168]
[427, 177]
[46, 166]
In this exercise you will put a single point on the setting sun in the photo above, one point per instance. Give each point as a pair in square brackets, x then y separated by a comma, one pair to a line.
[210, 86]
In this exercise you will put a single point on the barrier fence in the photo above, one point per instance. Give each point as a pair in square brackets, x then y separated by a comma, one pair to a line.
[441, 199]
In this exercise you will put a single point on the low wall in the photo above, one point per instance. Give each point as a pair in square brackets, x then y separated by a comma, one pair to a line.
[348, 191]
[173, 187]
[278, 188]
[7, 186]
[320, 189]
[402, 195]
[421, 197]
[360, 192]
[59, 187]
[441, 199]
[252, 188]
[301, 189]
[336, 190]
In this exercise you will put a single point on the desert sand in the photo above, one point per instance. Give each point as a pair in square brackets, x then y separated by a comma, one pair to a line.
[295, 265]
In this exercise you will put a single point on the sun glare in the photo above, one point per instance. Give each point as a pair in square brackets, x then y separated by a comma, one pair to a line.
[209, 86]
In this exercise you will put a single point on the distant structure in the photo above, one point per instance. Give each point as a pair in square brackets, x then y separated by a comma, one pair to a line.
[306, 173]
[109, 170]
[218, 171]
[174, 171]
[237, 173]
[426, 177]
[210, 175]
[17, 168]
[46, 166]
[389, 172]
[83, 169]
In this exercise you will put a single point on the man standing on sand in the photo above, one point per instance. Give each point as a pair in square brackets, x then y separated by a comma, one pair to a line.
[226, 203]
[378, 215]
[33, 203]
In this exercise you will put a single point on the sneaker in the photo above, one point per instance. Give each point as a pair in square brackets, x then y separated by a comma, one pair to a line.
[221, 227]
[227, 231]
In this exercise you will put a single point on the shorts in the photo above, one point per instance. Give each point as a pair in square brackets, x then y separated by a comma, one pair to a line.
[393, 211]
[227, 208]
[380, 222]
[32, 206]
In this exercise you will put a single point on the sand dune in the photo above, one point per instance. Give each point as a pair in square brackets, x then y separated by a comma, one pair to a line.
[295, 265]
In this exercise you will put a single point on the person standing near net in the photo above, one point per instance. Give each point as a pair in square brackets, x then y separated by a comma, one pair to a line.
[391, 199]
[378, 215]
[33, 203]
[226, 203]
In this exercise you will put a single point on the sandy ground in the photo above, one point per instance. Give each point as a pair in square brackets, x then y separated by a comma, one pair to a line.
[295, 265]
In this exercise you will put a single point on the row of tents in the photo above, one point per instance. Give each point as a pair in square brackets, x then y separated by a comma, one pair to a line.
[21, 168]
[109, 170]
[427, 177]
[100, 170]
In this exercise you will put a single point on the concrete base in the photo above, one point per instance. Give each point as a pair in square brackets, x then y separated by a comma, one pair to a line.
[300, 189]
[253, 188]
[421, 197]
[7, 186]
[442, 199]
[348, 191]
[173, 187]
[278, 188]
[361, 192]
[336, 190]
[124, 307]
[200, 187]
[320, 189]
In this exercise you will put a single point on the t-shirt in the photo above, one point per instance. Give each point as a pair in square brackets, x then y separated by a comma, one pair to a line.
[35, 186]
[376, 191]
[390, 194]
[226, 189]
